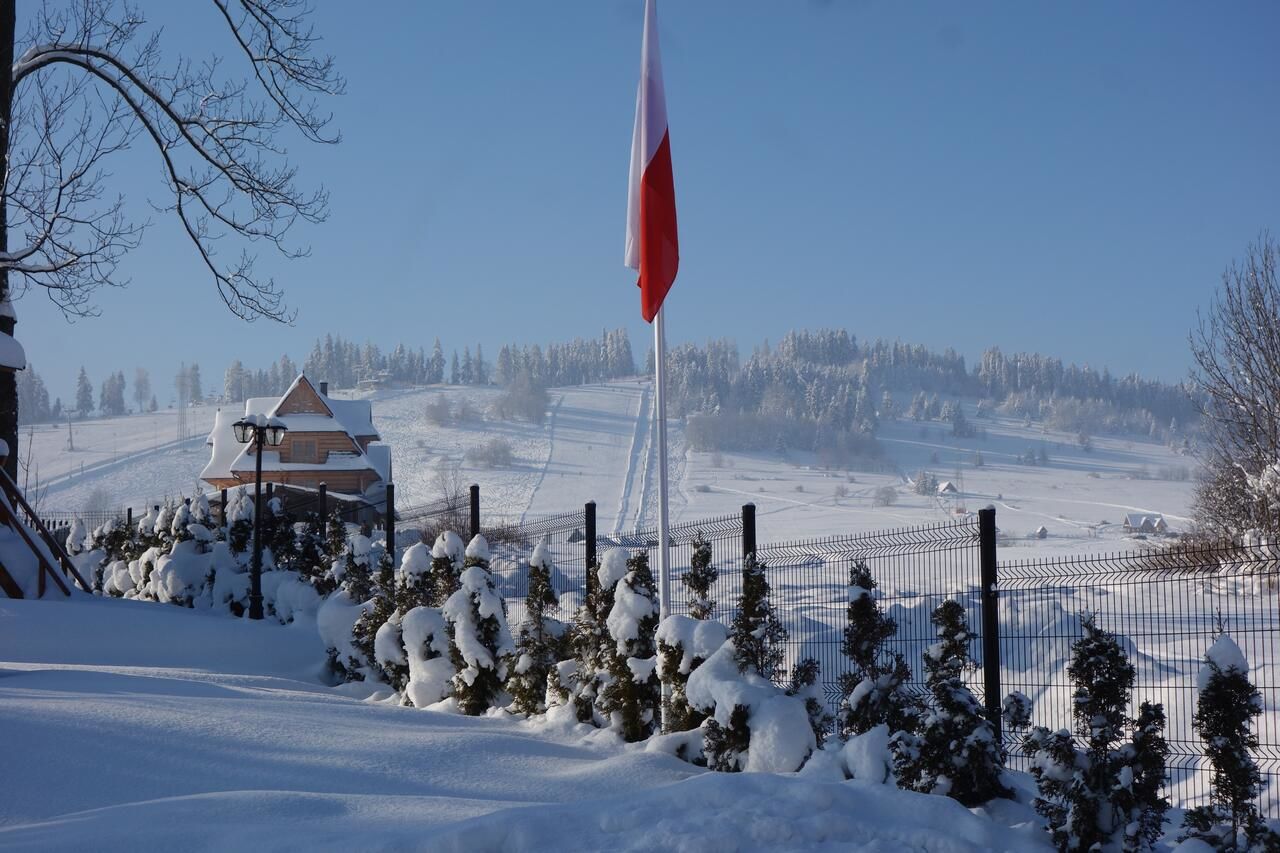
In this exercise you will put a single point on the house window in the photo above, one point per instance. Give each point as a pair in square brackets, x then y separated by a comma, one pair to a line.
[304, 450]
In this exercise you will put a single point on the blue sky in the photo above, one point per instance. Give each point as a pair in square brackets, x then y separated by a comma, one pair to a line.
[1067, 178]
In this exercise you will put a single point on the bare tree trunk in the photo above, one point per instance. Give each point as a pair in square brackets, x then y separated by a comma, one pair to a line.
[8, 379]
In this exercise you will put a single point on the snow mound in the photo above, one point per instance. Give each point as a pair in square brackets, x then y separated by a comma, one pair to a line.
[747, 813]
[478, 548]
[448, 545]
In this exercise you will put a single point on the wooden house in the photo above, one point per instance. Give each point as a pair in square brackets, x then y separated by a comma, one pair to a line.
[1137, 522]
[328, 441]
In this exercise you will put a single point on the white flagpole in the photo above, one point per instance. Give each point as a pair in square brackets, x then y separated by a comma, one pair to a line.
[660, 422]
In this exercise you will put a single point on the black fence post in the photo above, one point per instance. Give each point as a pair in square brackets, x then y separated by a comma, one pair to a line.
[390, 522]
[128, 518]
[475, 510]
[222, 510]
[322, 500]
[748, 530]
[589, 529]
[990, 617]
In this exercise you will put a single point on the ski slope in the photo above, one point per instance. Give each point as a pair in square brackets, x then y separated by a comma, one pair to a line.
[596, 443]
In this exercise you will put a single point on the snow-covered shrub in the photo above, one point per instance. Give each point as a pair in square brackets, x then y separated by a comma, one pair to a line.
[377, 612]
[541, 644]
[752, 724]
[631, 697]
[875, 687]
[804, 684]
[413, 583]
[955, 752]
[335, 620]
[756, 632]
[1015, 710]
[1104, 795]
[239, 515]
[481, 639]
[314, 561]
[592, 646]
[1224, 720]
[426, 647]
[389, 653]
[700, 578]
[683, 644]
[446, 567]
[77, 538]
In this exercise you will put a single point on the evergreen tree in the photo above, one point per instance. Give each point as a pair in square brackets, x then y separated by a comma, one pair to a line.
[84, 394]
[1224, 720]
[592, 651]
[415, 583]
[756, 632]
[875, 687]
[455, 373]
[804, 683]
[447, 556]
[700, 578]
[480, 639]
[631, 698]
[541, 644]
[1104, 795]
[955, 752]
[435, 368]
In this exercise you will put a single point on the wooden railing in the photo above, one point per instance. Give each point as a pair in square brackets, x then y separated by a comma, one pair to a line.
[19, 515]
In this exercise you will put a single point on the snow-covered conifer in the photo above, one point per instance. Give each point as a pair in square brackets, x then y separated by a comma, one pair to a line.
[804, 684]
[425, 636]
[541, 644]
[631, 697]
[756, 632]
[1015, 710]
[481, 639]
[1105, 795]
[413, 583]
[875, 687]
[592, 648]
[1224, 720]
[954, 752]
[700, 578]
[447, 555]
[684, 643]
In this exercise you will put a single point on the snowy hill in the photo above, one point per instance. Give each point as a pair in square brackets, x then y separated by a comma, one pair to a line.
[595, 445]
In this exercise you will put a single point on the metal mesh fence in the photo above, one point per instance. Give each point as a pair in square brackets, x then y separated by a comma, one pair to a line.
[915, 569]
[1166, 608]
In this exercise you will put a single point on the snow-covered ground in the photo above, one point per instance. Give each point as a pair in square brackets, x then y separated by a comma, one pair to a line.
[137, 726]
[595, 445]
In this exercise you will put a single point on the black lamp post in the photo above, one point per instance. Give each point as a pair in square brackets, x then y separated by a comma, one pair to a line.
[260, 430]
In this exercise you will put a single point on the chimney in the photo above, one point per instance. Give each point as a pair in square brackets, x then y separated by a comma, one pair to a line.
[324, 389]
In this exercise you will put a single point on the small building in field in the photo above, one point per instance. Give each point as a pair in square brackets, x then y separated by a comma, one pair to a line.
[328, 441]
[946, 487]
[1138, 522]
[1042, 532]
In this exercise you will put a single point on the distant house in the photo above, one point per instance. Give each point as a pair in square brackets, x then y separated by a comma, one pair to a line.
[947, 488]
[1138, 522]
[329, 441]
[1042, 532]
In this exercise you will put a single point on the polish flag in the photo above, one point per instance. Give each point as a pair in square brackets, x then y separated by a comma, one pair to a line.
[653, 249]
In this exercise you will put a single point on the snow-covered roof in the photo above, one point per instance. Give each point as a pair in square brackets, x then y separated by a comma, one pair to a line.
[1138, 520]
[12, 355]
[947, 486]
[353, 416]
[230, 458]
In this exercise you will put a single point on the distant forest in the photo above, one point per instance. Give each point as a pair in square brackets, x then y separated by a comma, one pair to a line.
[822, 390]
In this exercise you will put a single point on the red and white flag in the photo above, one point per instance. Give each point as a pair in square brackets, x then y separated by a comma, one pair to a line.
[653, 249]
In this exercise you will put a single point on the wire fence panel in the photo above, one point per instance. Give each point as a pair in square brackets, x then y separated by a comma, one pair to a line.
[1166, 609]
[915, 570]
[511, 546]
